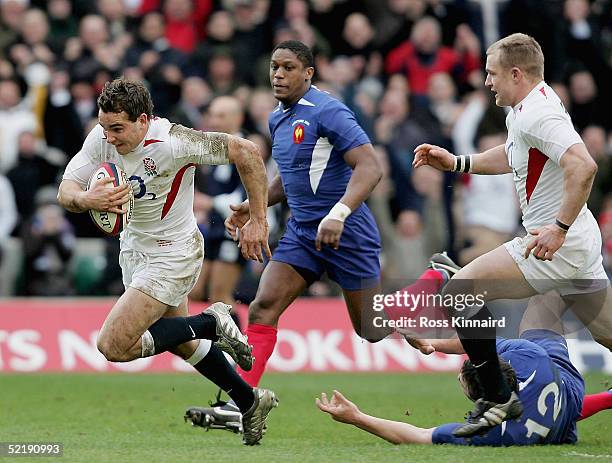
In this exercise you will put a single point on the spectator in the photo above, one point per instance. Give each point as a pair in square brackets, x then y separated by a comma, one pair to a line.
[15, 117]
[358, 44]
[62, 23]
[249, 38]
[394, 22]
[585, 107]
[195, 96]
[62, 124]
[31, 45]
[261, 104]
[84, 100]
[36, 167]
[94, 49]
[443, 103]
[161, 64]
[222, 73]
[241, 33]
[400, 134]
[583, 42]
[115, 13]
[11, 16]
[185, 21]
[296, 16]
[48, 245]
[543, 21]
[327, 14]
[422, 56]
[450, 15]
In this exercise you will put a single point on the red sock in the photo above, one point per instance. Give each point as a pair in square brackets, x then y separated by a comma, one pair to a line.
[429, 282]
[594, 403]
[263, 340]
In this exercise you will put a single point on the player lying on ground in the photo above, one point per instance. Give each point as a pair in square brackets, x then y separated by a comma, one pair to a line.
[162, 248]
[537, 367]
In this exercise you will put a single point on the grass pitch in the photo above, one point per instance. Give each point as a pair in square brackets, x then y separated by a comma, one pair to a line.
[139, 418]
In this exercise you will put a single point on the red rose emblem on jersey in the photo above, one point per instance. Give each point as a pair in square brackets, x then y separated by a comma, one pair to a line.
[298, 134]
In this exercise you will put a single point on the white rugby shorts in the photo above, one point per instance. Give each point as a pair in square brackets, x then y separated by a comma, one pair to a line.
[167, 277]
[576, 268]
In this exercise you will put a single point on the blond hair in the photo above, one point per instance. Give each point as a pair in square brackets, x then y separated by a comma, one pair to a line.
[521, 51]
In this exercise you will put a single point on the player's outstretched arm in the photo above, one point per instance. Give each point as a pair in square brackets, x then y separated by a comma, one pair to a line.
[491, 162]
[343, 410]
[254, 234]
[100, 198]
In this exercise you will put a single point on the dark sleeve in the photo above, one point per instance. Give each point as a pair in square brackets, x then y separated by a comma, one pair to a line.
[444, 435]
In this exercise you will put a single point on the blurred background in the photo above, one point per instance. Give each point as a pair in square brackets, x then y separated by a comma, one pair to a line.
[411, 70]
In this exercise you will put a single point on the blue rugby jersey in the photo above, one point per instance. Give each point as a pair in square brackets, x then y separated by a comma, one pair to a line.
[309, 141]
[550, 388]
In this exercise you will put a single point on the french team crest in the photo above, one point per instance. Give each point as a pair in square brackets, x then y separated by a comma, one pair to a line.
[298, 134]
[150, 167]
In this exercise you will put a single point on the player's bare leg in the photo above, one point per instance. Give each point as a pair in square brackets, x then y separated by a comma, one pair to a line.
[279, 286]
[133, 313]
[492, 272]
[595, 312]
[125, 335]
[359, 305]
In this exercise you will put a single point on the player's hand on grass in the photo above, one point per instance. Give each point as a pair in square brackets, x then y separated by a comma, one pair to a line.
[102, 198]
[339, 407]
[329, 233]
[547, 240]
[254, 238]
[434, 156]
[240, 215]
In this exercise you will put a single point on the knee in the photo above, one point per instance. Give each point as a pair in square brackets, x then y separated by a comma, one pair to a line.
[109, 349]
[264, 311]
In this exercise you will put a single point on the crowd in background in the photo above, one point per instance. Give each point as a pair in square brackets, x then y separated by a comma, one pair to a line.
[411, 70]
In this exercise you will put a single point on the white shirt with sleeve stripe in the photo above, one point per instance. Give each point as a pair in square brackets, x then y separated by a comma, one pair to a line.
[540, 131]
[161, 172]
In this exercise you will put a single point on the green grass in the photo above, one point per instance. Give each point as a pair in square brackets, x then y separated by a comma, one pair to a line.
[138, 418]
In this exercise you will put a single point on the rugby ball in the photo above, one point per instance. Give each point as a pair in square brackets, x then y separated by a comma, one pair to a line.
[109, 222]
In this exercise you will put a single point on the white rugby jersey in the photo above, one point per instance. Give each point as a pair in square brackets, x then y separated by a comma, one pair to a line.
[539, 132]
[161, 171]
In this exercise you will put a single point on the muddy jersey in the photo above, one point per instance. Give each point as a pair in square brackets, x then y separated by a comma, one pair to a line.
[161, 172]
[540, 131]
